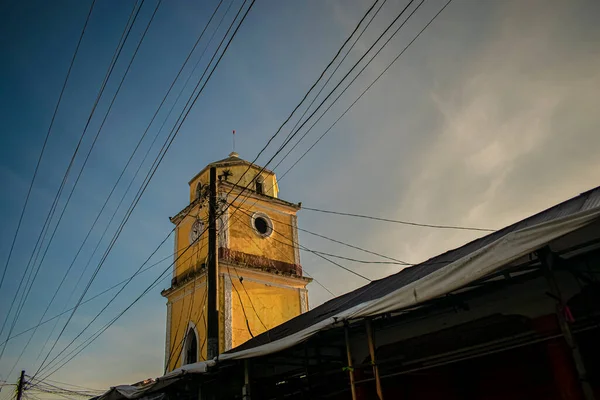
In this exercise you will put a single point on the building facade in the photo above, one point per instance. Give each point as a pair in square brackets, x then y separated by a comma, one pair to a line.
[260, 280]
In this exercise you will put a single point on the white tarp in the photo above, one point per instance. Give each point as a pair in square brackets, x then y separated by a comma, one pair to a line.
[451, 277]
[447, 279]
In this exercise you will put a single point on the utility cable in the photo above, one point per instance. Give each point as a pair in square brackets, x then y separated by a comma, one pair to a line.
[309, 250]
[129, 161]
[331, 76]
[253, 241]
[399, 222]
[86, 301]
[241, 280]
[37, 166]
[290, 137]
[184, 117]
[241, 304]
[80, 174]
[55, 202]
[295, 109]
[179, 324]
[366, 90]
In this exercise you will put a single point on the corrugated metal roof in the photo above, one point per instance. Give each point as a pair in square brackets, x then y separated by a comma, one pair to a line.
[379, 288]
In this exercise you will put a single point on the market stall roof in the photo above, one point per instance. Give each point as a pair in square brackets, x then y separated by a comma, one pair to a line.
[431, 279]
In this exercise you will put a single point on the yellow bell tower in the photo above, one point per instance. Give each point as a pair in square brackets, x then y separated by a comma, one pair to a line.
[260, 282]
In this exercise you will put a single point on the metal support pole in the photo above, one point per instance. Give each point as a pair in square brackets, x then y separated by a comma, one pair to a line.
[20, 385]
[213, 267]
[349, 367]
[246, 388]
[547, 259]
[373, 359]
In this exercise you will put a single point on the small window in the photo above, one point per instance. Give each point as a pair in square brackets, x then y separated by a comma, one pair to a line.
[260, 185]
[262, 224]
[191, 347]
[198, 190]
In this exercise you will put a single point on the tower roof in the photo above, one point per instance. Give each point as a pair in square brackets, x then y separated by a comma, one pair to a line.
[232, 159]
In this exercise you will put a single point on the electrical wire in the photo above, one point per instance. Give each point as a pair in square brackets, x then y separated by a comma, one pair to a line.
[178, 128]
[248, 295]
[179, 324]
[241, 304]
[311, 251]
[55, 202]
[290, 137]
[253, 241]
[177, 348]
[365, 90]
[97, 334]
[131, 158]
[359, 261]
[331, 76]
[87, 300]
[79, 176]
[37, 166]
[294, 111]
[399, 222]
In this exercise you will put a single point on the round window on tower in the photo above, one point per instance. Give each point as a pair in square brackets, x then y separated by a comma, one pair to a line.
[262, 224]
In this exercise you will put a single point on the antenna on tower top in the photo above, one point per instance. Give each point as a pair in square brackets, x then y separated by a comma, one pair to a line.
[233, 140]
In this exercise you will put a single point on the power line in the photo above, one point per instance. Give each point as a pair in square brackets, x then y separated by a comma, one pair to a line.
[342, 61]
[253, 241]
[97, 334]
[322, 236]
[155, 283]
[292, 113]
[287, 141]
[401, 262]
[241, 304]
[85, 301]
[80, 174]
[359, 261]
[159, 160]
[332, 74]
[248, 295]
[291, 136]
[102, 310]
[179, 324]
[399, 222]
[132, 155]
[309, 250]
[173, 133]
[41, 236]
[37, 166]
[366, 89]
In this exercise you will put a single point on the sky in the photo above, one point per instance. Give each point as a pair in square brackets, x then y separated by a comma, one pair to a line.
[488, 117]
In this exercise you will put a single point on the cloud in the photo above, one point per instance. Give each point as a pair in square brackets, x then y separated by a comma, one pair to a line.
[516, 135]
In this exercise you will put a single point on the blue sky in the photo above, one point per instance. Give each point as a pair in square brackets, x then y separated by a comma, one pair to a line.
[487, 118]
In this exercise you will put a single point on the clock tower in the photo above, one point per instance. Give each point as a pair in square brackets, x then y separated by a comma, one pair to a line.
[260, 281]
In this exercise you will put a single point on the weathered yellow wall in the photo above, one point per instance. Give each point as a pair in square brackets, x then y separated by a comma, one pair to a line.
[267, 299]
[196, 254]
[274, 305]
[180, 317]
[270, 181]
[242, 236]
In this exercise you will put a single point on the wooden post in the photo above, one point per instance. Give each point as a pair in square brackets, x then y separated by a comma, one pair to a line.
[20, 385]
[246, 388]
[213, 273]
[373, 359]
[547, 259]
[350, 368]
